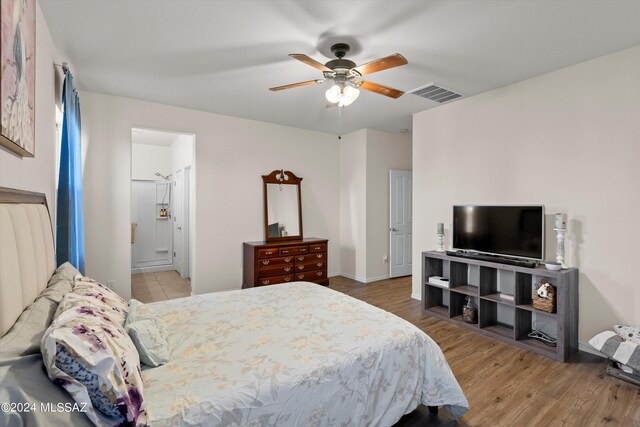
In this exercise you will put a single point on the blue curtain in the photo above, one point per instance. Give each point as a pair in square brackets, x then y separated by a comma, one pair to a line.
[70, 221]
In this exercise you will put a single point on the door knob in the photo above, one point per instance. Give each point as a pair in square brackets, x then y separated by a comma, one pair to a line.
[394, 229]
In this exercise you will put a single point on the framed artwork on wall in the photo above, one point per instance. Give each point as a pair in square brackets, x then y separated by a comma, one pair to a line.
[18, 76]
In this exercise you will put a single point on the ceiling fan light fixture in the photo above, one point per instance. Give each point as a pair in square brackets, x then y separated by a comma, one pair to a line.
[342, 95]
[349, 95]
[333, 94]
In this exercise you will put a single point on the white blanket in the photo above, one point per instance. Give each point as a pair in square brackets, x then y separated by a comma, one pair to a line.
[294, 354]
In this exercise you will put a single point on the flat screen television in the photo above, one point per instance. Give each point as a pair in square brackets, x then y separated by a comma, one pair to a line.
[509, 231]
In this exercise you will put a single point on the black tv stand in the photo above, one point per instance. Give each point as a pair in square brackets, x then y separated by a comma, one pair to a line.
[494, 258]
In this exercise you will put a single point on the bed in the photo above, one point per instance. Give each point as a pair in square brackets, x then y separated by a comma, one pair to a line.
[286, 355]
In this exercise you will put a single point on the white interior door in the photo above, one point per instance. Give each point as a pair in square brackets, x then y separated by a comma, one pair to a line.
[178, 219]
[400, 223]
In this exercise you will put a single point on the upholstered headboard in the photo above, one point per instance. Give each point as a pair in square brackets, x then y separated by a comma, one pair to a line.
[26, 252]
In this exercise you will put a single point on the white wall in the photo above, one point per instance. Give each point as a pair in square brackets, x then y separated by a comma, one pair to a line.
[569, 140]
[385, 151]
[181, 152]
[353, 203]
[231, 154]
[39, 173]
[148, 159]
[366, 156]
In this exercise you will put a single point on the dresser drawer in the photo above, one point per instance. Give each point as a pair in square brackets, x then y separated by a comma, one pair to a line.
[276, 270]
[267, 253]
[270, 262]
[313, 265]
[275, 279]
[310, 257]
[316, 263]
[294, 250]
[318, 247]
[310, 275]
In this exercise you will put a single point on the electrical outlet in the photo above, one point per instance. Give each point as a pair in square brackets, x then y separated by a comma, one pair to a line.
[386, 258]
[110, 284]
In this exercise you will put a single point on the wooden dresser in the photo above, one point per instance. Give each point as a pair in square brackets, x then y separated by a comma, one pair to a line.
[268, 263]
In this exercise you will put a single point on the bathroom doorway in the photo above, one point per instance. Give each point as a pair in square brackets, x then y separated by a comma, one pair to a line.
[162, 165]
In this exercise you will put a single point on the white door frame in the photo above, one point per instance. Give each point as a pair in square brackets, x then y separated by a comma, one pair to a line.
[186, 202]
[176, 214]
[400, 228]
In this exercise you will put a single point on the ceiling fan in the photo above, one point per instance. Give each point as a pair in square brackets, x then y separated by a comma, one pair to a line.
[346, 76]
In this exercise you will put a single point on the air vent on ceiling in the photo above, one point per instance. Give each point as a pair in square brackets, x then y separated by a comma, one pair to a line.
[436, 93]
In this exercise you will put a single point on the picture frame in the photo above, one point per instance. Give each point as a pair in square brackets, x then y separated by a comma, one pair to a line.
[18, 76]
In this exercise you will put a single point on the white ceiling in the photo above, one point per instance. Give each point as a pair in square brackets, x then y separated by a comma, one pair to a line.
[153, 137]
[222, 56]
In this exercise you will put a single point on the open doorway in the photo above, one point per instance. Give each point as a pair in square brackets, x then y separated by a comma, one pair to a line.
[162, 165]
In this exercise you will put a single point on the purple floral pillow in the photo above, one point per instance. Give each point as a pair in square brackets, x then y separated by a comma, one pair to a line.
[101, 296]
[86, 351]
[88, 304]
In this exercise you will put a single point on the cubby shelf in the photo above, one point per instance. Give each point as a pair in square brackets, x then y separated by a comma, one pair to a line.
[466, 289]
[497, 298]
[440, 310]
[507, 320]
[529, 307]
[458, 319]
[502, 330]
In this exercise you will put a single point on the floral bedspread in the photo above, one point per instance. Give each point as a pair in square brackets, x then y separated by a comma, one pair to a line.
[295, 354]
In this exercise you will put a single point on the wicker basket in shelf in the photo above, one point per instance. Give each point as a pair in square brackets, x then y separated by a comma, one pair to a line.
[545, 304]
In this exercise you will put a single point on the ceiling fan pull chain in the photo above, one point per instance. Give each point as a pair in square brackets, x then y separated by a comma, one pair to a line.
[339, 122]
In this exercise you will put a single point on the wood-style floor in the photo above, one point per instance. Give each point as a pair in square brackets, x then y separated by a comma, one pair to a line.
[161, 286]
[506, 386]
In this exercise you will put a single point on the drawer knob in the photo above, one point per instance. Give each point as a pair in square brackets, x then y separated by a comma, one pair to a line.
[287, 260]
[265, 282]
[301, 267]
[300, 276]
[287, 269]
[287, 279]
[265, 262]
[319, 264]
[303, 250]
[319, 273]
[300, 258]
[319, 255]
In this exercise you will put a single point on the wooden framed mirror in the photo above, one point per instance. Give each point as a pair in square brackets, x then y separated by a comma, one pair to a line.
[282, 206]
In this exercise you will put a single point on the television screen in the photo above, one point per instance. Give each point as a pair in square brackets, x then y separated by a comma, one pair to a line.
[514, 231]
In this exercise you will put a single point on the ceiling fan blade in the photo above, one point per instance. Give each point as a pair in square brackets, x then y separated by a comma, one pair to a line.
[310, 61]
[381, 89]
[385, 63]
[308, 82]
[331, 104]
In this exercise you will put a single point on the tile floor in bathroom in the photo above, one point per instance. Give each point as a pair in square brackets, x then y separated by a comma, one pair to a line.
[160, 286]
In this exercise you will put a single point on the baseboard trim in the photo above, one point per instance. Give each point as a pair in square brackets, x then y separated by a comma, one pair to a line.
[352, 277]
[415, 296]
[361, 279]
[152, 269]
[377, 278]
